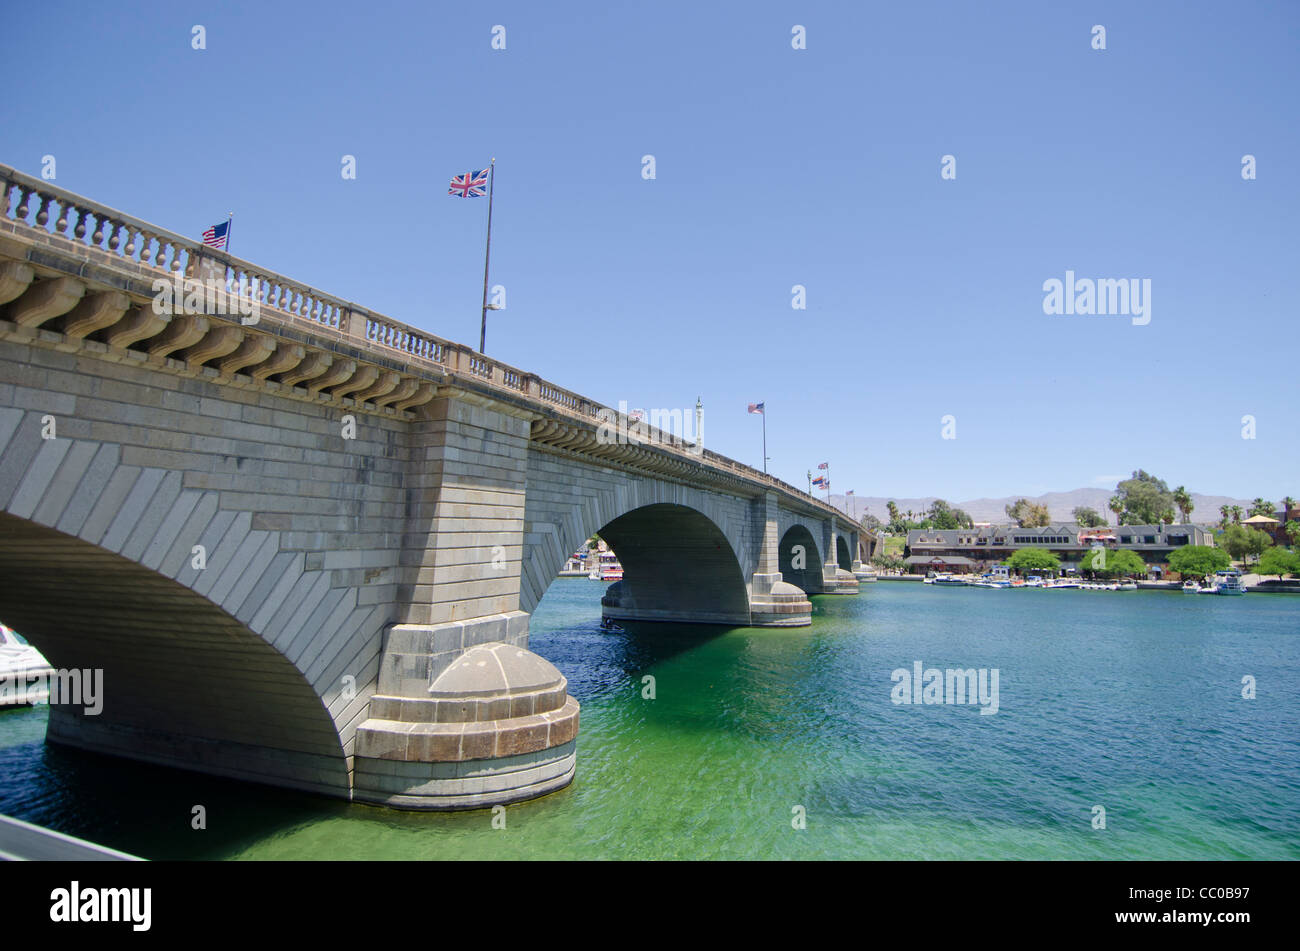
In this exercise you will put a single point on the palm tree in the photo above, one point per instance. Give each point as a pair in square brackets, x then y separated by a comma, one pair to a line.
[1183, 499]
[1225, 512]
[1236, 514]
[1116, 505]
[893, 511]
[1261, 507]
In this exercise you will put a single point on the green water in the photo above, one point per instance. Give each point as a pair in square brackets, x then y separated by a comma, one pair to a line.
[1127, 700]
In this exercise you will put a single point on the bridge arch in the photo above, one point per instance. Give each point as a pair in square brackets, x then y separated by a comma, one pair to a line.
[699, 544]
[224, 649]
[183, 683]
[843, 557]
[798, 545]
[678, 566]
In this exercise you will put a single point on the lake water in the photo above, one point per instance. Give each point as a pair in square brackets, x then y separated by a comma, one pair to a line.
[1131, 701]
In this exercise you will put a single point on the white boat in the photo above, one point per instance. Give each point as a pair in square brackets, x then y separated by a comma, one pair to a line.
[951, 581]
[1191, 587]
[1226, 582]
[1033, 581]
[1128, 586]
[24, 672]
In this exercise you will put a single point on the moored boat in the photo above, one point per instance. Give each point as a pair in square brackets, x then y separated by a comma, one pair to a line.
[1227, 582]
[24, 671]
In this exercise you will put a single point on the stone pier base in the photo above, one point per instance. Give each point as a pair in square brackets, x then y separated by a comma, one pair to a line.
[776, 603]
[490, 724]
[864, 573]
[839, 581]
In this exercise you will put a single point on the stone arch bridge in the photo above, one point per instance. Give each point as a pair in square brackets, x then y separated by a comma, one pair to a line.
[303, 540]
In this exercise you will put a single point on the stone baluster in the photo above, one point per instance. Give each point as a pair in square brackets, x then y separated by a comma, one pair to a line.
[79, 232]
[97, 239]
[113, 237]
[43, 215]
[61, 225]
[146, 244]
[24, 200]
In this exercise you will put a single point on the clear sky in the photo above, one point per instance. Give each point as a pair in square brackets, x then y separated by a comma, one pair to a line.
[774, 167]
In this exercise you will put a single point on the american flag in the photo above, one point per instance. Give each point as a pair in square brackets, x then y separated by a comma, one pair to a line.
[469, 185]
[215, 237]
[757, 408]
[823, 465]
[848, 493]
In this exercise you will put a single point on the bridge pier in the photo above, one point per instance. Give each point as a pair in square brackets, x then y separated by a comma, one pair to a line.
[836, 578]
[465, 716]
[773, 601]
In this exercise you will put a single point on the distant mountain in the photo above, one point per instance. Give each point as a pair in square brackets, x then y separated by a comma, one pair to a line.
[1059, 505]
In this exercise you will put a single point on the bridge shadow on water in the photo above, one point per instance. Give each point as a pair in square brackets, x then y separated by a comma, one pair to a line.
[598, 661]
[141, 808]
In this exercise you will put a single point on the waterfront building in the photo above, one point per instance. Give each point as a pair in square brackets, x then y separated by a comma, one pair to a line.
[978, 549]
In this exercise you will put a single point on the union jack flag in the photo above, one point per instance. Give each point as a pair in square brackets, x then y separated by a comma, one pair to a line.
[469, 185]
[215, 237]
[823, 465]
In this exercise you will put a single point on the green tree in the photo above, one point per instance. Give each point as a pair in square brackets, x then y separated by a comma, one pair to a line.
[1236, 514]
[1183, 499]
[893, 511]
[940, 515]
[1260, 507]
[1197, 561]
[1028, 514]
[1278, 561]
[871, 523]
[1225, 513]
[1293, 532]
[1242, 541]
[1033, 559]
[1112, 564]
[1116, 505]
[1088, 517]
[1146, 499]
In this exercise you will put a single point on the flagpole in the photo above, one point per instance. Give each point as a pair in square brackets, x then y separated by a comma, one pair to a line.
[487, 256]
[764, 439]
[230, 226]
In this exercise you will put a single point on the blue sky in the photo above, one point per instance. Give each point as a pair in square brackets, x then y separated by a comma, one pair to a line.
[774, 167]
